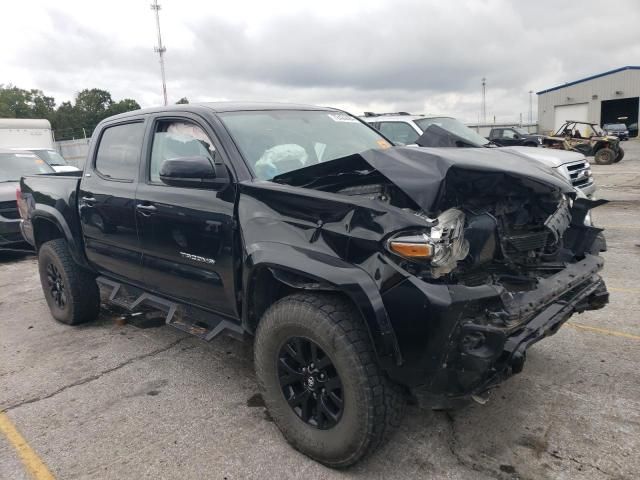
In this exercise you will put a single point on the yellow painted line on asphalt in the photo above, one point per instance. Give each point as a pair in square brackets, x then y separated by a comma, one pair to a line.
[30, 459]
[604, 331]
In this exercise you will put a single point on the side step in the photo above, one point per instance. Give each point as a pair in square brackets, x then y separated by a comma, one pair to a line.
[190, 319]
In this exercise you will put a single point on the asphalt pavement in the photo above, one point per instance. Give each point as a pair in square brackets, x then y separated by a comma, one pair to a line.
[113, 401]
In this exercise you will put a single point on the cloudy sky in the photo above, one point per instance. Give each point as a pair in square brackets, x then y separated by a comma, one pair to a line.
[382, 55]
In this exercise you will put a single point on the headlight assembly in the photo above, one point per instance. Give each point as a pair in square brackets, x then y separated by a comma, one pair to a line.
[442, 246]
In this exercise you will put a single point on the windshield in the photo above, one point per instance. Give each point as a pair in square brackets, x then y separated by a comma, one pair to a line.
[15, 165]
[52, 157]
[454, 126]
[278, 141]
[521, 131]
[616, 127]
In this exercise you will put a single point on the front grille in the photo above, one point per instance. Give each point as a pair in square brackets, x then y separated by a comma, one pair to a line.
[9, 210]
[580, 174]
[527, 241]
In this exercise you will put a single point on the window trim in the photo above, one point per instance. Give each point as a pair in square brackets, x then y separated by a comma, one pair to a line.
[145, 166]
[94, 161]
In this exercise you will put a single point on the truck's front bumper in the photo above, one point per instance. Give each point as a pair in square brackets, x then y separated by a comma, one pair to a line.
[475, 337]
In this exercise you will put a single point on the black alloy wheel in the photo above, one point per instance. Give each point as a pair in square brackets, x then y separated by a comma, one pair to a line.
[56, 286]
[310, 383]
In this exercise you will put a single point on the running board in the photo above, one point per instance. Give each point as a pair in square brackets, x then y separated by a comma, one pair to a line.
[190, 319]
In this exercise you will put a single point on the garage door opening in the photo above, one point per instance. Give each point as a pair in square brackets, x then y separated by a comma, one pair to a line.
[578, 112]
[623, 110]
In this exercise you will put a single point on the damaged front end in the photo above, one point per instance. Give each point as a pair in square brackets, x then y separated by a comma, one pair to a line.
[475, 254]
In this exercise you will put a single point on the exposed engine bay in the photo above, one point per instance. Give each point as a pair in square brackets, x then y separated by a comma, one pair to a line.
[480, 224]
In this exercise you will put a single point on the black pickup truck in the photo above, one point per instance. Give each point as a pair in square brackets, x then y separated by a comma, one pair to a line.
[363, 272]
[514, 136]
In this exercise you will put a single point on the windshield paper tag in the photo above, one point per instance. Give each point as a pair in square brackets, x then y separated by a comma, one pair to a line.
[341, 117]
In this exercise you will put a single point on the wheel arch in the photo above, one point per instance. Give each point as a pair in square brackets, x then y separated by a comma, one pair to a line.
[274, 271]
[49, 224]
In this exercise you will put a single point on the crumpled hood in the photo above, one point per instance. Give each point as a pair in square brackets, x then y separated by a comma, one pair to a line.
[551, 157]
[428, 175]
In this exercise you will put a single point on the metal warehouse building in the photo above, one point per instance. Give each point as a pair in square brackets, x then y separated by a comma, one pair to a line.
[609, 97]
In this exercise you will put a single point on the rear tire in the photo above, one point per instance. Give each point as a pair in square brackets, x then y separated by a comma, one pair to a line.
[605, 156]
[620, 156]
[71, 292]
[370, 405]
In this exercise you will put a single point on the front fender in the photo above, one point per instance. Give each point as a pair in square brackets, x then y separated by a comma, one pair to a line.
[344, 277]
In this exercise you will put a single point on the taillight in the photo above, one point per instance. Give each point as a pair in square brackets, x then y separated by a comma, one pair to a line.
[22, 205]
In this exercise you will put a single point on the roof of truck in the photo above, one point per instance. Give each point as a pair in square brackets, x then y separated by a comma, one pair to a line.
[220, 107]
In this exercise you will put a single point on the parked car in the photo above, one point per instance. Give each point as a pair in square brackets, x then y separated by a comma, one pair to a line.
[362, 271]
[514, 136]
[619, 130]
[406, 129]
[587, 138]
[53, 158]
[14, 165]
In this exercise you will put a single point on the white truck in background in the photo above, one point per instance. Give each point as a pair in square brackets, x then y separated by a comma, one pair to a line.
[33, 135]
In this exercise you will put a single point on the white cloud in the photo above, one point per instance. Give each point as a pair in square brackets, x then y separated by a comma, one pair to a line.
[420, 56]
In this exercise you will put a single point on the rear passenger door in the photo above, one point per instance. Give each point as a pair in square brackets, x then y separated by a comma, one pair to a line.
[186, 233]
[107, 201]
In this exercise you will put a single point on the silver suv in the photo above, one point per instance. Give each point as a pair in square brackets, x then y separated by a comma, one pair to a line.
[407, 129]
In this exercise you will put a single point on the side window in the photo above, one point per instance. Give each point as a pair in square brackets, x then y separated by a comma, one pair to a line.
[119, 151]
[177, 139]
[508, 133]
[399, 132]
[496, 133]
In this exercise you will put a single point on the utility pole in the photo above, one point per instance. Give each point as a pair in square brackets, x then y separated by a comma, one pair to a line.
[484, 100]
[160, 49]
[530, 107]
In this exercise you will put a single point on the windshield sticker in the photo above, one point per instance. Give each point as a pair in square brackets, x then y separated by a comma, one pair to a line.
[383, 144]
[342, 117]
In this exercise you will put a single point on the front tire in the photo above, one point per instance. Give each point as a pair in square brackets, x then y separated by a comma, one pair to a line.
[71, 292]
[359, 408]
[605, 156]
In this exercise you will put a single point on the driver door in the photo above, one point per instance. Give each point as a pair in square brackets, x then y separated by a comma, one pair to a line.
[186, 234]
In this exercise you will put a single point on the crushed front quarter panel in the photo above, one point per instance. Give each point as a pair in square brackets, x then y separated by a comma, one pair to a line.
[445, 334]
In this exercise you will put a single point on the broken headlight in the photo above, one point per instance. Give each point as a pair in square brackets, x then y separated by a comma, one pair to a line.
[442, 246]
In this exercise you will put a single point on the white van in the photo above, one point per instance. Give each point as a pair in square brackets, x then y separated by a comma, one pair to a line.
[33, 135]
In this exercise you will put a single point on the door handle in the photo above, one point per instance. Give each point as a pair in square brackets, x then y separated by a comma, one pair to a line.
[89, 201]
[146, 210]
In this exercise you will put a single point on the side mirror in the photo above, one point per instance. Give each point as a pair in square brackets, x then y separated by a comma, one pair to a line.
[193, 172]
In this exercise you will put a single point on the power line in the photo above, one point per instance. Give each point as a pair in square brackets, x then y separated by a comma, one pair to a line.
[160, 49]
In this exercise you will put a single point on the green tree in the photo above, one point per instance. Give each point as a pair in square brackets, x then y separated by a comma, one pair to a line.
[92, 106]
[182, 101]
[124, 105]
[43, 106]
[65, 122]
[19, 103]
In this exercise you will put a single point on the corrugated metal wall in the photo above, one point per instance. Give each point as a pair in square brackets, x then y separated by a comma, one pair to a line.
[605, 88]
